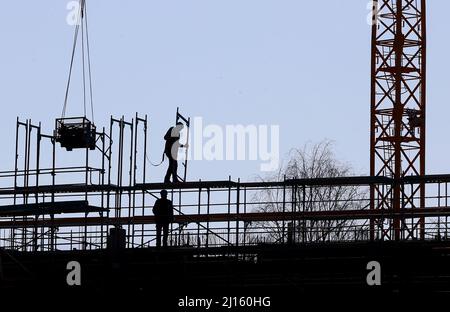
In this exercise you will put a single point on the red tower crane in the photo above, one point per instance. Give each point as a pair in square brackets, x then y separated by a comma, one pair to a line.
[398, 100]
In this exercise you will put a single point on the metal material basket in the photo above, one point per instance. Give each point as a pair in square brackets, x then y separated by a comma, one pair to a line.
[75, 132]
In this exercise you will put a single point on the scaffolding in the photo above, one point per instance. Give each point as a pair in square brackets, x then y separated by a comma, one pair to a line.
[78, 207]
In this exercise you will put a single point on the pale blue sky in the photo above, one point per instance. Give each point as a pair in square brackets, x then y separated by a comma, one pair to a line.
[303, 65]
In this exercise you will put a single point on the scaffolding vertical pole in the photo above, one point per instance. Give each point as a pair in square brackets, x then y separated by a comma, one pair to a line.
[85, 241]
[108, 198]
[179, 207]
[229, 210]
[16, 159]
[187, 121]
[103, 138]
[187, 150]
[198, 212]
[144, 171]
[53, 173]
[144, 177]
[119, 172]
[245, 212]
[135, 166]
[446, 205]
[238, 199]
[283, 235]
[291, 225]
[36, 196]
[25, 180]
[120, 167]
[135, 169]
[38, 153]
[304, 209]
[439, 206]
[294, 222]
[130, 183]
[208, 203]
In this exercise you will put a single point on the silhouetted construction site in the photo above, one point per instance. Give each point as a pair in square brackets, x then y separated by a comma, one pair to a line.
[313, 237]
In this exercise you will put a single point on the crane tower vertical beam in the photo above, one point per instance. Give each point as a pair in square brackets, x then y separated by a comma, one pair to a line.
[398, 101]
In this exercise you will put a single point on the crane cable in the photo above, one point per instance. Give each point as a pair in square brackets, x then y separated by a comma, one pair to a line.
[89, 63]
[77, 27]
[81, 22]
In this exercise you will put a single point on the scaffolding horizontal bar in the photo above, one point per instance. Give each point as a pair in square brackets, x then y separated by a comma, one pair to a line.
[48, 208]
[60, 188]
[221, 184]
[243, 217]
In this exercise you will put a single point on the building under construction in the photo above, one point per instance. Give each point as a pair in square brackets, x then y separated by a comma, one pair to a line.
[319, 234]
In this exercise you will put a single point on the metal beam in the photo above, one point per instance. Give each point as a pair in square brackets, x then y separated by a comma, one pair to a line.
[247, 217]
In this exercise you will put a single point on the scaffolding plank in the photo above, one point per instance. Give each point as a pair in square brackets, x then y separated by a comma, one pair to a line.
[60, 188]
[187, 185]
[48, 208]
[220, 184]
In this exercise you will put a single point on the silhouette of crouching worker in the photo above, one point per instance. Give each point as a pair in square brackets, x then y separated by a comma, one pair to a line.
[163, 211]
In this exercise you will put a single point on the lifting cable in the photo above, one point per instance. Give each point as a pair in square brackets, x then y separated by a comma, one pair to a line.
[81, 22]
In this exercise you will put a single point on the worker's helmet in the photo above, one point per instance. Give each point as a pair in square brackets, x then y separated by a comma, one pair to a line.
[163, 193]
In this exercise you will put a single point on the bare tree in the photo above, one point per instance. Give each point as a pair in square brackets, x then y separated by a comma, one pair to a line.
[311, 162]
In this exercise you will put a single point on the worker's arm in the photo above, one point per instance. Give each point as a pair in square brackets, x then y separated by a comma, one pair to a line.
[168, 135]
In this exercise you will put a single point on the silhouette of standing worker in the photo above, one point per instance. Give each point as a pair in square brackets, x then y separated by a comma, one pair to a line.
[172, 138]
[163, 211]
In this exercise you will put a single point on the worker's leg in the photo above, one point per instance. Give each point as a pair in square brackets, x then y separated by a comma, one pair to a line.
[158, 235]
[169, 169]
[175, 171]
[165, 234]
